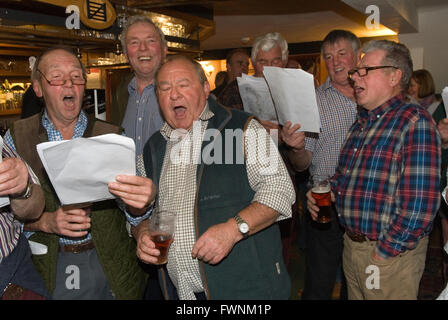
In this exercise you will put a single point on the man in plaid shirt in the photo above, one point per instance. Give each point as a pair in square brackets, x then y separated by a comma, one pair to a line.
[386, 186]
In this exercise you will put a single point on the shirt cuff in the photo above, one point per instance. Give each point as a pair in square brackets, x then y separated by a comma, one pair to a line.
[135, 221]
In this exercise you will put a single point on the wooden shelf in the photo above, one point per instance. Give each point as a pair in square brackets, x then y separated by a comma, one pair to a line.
[10, 112]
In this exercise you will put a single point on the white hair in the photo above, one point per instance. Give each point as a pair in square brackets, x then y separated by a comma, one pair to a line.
[269, 41]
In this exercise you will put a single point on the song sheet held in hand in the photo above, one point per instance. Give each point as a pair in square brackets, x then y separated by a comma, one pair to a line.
[80, 169]
[282, 95]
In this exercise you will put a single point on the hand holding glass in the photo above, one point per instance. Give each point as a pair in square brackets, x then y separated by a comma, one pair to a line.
[321, 192]
[161, 226]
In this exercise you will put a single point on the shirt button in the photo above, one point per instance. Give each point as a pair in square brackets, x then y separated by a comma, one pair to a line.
[348, 171]
[339, 193]
[140, 119]
[356, 149]
[138, 138]
[137, 101]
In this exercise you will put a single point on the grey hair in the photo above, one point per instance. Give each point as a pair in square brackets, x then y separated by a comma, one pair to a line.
[196, 66]
[267, 42]
[35, 74]
[335, 35]
[139, 19]
[397, 55]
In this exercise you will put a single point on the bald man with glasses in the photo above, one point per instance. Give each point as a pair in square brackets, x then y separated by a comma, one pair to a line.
[90, 254]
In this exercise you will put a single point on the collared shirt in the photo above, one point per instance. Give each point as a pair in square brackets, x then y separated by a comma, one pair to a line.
[142, 118]
[387, 181]
[10, 228]
[337, 114]
[178, 187]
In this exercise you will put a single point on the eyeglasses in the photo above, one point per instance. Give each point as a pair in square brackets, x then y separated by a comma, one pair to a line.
[363, 71]
[76, 80]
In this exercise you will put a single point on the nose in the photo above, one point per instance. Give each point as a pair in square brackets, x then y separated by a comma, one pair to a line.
[174, 93]
[142, 46]
[68, 82]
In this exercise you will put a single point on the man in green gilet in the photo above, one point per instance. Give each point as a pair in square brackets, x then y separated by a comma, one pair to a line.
[90, 254]
[226, 242]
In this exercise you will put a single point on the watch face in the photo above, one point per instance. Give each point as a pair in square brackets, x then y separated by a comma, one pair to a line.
[244, 227]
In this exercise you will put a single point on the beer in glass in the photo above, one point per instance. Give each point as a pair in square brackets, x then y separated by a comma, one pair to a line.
[321, 192]
[162, 225]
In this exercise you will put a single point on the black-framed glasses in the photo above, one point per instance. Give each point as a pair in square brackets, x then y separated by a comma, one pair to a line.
[363, 71]
[76, 80]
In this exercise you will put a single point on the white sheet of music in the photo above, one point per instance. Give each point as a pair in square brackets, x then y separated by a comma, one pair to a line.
[80, 169]
[294, 97]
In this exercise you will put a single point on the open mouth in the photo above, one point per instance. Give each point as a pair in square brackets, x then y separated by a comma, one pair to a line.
[179, 111]
[68, 98]
[358, 89]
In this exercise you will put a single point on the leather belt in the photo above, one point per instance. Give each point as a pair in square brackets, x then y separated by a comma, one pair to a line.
[355, 236]
[77, 248]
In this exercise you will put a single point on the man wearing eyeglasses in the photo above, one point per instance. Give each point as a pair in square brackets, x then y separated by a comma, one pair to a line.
[319, 153]
[386, 186]
[90, 254]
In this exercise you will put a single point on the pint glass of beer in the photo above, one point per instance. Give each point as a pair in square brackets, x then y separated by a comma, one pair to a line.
[321, 193]
[162, 225]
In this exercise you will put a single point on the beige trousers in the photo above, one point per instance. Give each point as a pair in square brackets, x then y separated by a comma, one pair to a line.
[396, 278]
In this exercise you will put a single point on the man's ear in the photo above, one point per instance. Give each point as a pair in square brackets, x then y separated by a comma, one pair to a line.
[37, 87]
[206, 88]
[396, 77]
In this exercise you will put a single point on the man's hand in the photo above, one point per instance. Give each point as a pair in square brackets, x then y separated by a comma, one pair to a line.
[216, 243]
[63, 222]
[295, 140]
[311, 204]
[13, 177]
[146, 248]
[137, 192]
[443, 129]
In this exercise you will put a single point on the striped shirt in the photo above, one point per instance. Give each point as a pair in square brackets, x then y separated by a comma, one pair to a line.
[387, 181]
[178, 187]
[337, 114]
[10, 228]
[142, 118]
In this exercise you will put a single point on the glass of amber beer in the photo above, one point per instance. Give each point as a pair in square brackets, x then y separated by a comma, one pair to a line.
[320, 191]
[162, 225]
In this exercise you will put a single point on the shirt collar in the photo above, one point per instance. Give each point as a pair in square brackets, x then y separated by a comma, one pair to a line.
[80, 127]
[132, 86]
[205, 115]
[378, 112]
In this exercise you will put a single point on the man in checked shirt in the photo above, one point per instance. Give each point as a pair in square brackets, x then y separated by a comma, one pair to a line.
[226, 243]
[386, 186]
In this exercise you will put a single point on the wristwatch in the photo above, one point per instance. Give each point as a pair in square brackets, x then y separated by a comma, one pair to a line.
[243, 227]
[27, 192]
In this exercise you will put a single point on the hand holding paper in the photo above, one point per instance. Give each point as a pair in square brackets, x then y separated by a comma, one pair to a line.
[136, 192]
[81, 169]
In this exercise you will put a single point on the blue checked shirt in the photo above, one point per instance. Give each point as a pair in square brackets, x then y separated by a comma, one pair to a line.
[142, 118]
[55, 135]
[337, 114]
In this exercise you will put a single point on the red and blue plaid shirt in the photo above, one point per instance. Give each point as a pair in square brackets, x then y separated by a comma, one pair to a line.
[387, 180]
